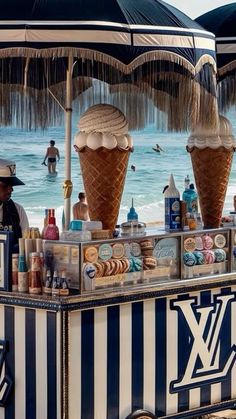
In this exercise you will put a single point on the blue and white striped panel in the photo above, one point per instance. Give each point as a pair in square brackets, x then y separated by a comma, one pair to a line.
[32, 362]
[127, 357]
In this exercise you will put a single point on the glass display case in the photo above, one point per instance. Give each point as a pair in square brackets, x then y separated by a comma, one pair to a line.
[205, 253]
[159, 257]
[63, 257]
[125, 262]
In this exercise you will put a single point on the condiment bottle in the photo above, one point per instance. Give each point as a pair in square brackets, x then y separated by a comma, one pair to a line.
[55, 287]
[23, 281]
[64, 285]
[47, 289]
[45, 222]
[172, 207]
[52, 231]
[132, 214]
[15, 262]
[35, 286]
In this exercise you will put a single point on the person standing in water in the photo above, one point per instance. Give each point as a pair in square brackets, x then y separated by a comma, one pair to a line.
[80, 209]
[53, 157]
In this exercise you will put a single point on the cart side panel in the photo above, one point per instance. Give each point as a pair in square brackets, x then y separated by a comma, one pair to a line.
[166, 355]
[31, 362]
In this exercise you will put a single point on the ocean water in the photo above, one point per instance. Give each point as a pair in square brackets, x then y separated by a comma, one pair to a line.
[145, 185]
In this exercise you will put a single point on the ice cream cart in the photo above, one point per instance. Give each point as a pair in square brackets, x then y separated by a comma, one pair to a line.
[159, 336]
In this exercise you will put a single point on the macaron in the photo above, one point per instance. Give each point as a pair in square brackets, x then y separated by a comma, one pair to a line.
[190, 244]
[220, 255]
[149, 263]
[135, 264]
[209, 256]
[116, 266]
[108, 268]
[208, 242]
[199, 243]
[125, 265]
[135, 249]
[138, 264]
[199, 257]
[220, 241]
[99, 269]
[91, 254]
[118, 250]
[189, 259]
[146, 247]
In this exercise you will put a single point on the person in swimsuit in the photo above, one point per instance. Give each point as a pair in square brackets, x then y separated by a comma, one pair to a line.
[80, 209]
[53, 156]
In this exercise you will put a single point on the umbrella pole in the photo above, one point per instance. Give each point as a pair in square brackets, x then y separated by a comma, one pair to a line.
[68, 128]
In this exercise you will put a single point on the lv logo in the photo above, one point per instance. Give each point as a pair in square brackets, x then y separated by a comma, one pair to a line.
[6, 382]
[205, 324]
[12, 168]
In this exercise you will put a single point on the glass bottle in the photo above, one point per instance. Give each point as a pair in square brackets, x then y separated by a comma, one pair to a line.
[64, 290]
[52, 231]
[132, 214]
[35, 285]
[55, 288]
[23, 282]
[15, 263]
[172, 207]
[45, 222]
[47, 289]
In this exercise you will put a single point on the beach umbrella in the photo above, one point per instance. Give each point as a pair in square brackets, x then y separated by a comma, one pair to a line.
[222, 22]
[51, 50]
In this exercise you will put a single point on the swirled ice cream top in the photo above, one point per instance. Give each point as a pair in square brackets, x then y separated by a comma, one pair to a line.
[222, 138]
[103, 126]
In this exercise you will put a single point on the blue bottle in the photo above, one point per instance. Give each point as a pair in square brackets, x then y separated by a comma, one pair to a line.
[190, 197]
[172, 207]
[193, 198]
[132, 214]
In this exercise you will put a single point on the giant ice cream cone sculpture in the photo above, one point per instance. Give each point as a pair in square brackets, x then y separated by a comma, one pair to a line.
[104, 146]
[211, 155]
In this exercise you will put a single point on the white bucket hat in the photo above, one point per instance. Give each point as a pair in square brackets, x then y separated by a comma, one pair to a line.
[8, 173]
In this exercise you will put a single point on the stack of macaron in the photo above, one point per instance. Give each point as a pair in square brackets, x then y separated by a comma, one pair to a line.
[108, 260]
[200, 250]
[112, 267]
[149, 261]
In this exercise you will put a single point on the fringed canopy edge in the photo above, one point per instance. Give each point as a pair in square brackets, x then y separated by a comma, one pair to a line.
[227, 68]
[93, 55]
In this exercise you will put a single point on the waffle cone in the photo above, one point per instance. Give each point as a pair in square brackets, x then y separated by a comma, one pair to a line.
[211, 171]
[104, 174]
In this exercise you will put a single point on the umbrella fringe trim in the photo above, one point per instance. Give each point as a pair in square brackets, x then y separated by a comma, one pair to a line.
[227, 68]
[87, 54]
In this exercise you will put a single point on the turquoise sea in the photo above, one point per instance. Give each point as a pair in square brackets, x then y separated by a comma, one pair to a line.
[145, 185]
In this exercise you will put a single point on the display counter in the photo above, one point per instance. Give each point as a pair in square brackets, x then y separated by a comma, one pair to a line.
[161, 341]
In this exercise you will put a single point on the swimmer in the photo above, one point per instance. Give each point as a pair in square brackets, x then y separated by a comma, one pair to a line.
[53, 156]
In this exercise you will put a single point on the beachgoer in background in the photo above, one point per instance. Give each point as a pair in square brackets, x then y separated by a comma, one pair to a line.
[12, 215]
[158, 148]
[53, 156]
[80, 209]
[133, 168]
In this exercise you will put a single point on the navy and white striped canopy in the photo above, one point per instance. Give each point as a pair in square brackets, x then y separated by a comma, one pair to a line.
[146, 44]
[222, 22]
[124, 30]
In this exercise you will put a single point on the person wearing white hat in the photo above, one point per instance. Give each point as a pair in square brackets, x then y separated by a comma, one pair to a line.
[12, 215]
